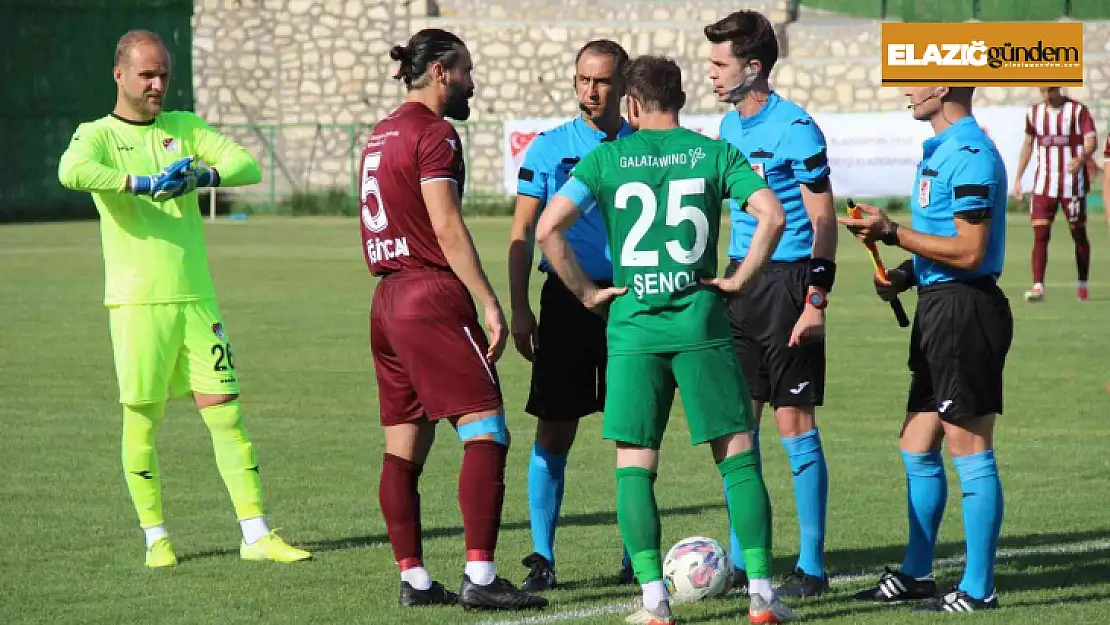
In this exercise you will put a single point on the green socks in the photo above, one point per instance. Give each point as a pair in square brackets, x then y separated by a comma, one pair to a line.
[749, 509]
[638, 518]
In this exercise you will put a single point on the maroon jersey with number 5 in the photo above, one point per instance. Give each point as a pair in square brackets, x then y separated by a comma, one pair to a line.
[428, 346]
[410, 147]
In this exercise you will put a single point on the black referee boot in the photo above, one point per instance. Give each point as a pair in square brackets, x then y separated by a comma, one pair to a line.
[542, 575]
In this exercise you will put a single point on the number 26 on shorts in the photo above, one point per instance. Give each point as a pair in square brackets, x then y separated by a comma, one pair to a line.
[224, 359]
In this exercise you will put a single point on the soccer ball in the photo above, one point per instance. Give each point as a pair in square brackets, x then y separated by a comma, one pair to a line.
[697, 568]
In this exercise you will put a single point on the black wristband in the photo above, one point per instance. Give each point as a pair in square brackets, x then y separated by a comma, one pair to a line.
[907, 268]
[891, 237]
[822, 273]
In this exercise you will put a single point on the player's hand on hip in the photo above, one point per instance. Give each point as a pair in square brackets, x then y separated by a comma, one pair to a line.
[498, 334]
[731, 284]
[598, 300]
[897, 281]
[872, 226]
[524, 332]
[809, 327]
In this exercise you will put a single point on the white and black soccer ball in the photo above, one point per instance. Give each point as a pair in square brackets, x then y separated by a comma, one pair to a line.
[697, 568]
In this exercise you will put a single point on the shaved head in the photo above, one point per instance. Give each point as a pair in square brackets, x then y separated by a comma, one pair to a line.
[132, 39]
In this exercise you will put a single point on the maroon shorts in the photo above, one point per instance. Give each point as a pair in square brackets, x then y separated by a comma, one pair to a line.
[429, 349]
[1044, 207]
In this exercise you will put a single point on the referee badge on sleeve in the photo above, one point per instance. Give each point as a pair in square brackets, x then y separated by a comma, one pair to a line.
[923, 189]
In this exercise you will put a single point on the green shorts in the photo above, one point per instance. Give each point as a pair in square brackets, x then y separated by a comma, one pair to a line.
[640, 392]
[168, 350]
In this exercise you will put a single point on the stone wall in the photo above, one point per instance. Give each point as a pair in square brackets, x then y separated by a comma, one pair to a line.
[298, 81]
[625, 12]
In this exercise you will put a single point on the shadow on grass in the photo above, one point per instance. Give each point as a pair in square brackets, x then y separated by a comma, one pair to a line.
[592, 519]
[1045, 569]
[861, 561]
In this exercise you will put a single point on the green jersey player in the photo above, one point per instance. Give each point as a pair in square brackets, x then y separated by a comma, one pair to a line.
[660, 191]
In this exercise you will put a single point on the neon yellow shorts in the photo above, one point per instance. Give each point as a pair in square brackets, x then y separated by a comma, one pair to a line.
[168, 350]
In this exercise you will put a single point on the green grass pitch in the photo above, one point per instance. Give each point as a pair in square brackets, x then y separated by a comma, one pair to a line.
[295, 295]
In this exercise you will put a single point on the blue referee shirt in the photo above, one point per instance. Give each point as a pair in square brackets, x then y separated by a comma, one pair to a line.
[787, 148]
[961, 174]
[546, 168]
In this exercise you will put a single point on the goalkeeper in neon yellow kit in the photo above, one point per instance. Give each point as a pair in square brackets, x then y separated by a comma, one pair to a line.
[167, 332]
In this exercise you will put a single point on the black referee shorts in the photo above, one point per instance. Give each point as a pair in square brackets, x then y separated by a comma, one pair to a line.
[762, 320]
[568, 372]
[961, 334]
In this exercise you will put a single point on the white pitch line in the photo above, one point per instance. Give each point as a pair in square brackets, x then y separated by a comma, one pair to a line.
[572, 615]
[948, 563]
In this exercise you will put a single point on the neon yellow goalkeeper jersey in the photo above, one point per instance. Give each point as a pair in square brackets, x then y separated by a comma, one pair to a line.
[154, 252]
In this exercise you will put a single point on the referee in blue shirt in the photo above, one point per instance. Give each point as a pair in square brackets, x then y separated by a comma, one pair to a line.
[778, 326]
[961, 334]
[567, 348]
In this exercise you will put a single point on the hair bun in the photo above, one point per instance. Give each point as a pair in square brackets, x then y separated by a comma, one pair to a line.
[399, 53]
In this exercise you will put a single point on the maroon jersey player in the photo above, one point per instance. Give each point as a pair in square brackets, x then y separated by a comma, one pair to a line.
[1061, 133]
[1106, 181]
[432, 360]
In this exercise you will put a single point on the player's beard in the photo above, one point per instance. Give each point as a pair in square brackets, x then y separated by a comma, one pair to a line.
[147, 105]
[458, 104]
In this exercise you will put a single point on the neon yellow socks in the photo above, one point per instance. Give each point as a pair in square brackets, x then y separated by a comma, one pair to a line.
[235, 458]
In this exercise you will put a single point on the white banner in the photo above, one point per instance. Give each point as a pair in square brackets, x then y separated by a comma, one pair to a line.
[517, 136]
[870, 154]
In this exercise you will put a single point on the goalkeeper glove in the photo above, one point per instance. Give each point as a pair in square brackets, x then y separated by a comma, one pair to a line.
[169, 183]
[206, 177]
[198, 178]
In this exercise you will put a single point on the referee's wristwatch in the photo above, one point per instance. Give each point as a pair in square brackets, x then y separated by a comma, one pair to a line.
[817, 298]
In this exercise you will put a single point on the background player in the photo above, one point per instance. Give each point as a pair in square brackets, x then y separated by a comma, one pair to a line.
[567, 348]
[962, 332]
[778, 325]
[432, 360]
[168, 335]
[1106, 179]
[1064, 134]
[667, 326]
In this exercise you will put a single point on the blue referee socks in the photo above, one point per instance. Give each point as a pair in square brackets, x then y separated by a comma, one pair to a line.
[811, 496]
[735, 549]
[926, 494]
[546, 477]
[982, 501]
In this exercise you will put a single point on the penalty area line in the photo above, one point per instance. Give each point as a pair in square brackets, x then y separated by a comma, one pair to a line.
[944, 564]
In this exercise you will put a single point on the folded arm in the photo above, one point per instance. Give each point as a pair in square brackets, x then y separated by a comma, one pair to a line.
[81, 167]
[232, 164]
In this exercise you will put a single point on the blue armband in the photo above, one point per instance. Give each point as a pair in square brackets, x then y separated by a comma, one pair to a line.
[494, 424]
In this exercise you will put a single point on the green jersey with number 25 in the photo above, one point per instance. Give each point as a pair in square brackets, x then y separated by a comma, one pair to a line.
[661, 193]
